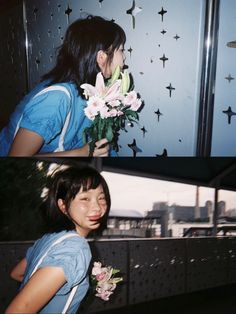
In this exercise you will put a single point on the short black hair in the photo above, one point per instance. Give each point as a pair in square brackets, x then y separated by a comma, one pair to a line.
[65, 184]
[77, 57]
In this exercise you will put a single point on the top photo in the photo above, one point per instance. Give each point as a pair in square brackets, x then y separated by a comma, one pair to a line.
[127, 78]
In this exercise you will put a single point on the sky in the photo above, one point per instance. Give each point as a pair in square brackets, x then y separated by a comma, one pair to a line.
[138, 193]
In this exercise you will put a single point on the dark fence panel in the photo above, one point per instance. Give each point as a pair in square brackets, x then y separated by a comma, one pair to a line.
[152, 269]
[207, 263]
[157, 269]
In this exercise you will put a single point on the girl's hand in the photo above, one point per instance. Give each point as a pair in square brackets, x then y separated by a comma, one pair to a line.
[102, 148]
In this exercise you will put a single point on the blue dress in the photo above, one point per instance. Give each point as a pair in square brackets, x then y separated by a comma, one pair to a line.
[45, 114]
[73, 255]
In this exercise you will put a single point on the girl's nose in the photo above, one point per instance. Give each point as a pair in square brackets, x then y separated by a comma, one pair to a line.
[96, 206]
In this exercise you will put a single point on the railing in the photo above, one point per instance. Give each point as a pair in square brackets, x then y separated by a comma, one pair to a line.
[152, 268]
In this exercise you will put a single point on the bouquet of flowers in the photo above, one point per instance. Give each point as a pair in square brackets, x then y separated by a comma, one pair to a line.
[110, 105]
[104, 280]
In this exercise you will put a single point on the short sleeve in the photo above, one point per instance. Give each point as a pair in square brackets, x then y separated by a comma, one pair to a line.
[73, 256]
[29, 252]
[45, 114]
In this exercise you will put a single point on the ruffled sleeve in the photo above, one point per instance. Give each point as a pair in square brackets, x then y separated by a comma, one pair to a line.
[73, 256]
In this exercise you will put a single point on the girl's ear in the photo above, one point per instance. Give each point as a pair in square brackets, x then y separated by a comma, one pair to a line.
[101, 59]
[61, 205]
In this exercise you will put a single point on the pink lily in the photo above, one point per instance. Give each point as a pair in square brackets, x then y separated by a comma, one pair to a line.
[108, 93]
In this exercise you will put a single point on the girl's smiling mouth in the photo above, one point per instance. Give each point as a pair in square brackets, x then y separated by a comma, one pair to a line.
[94, 217]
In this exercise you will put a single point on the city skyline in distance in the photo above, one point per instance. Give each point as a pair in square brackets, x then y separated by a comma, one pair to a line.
[139, 193]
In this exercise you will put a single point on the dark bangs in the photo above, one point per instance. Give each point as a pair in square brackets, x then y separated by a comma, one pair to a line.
[76, 180]
[65, 185]
[88, 179]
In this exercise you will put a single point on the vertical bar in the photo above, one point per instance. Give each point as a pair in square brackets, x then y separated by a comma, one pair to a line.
[215, 213]
[25, 25]
[208, 75]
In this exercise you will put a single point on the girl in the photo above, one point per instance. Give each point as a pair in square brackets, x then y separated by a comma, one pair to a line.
[54, 271]
[50, 120]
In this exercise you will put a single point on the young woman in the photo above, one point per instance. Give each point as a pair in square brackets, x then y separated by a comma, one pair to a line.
[54, 273]
[50, 120]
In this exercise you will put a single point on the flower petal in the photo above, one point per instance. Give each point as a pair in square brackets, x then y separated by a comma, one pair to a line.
[100, 84]
[90, 90]
[113, 92]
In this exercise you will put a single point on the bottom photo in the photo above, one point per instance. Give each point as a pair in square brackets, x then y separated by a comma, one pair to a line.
[118, 235]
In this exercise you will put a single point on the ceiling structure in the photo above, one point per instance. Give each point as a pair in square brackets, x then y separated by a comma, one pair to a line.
[212, 172]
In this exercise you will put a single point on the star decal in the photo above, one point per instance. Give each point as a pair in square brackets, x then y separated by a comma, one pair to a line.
[100, 3]
[163, 32]
[164, 154]
[170, 88]
[162, 13]
[133, 11]
[130, 50]
[229, 78]
[134, 148]
[159, 114]
[35, 13]
[164, 59]
[68, 11]
[229, 113]
[144, 131]
[37, 61]
[176, 37]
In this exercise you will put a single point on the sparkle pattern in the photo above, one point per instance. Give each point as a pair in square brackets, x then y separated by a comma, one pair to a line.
[133, 11]
[162, 13]
[230, 114]
[134, 148]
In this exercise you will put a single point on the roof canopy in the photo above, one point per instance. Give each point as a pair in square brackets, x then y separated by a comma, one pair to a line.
[218, 172]
[211, 172]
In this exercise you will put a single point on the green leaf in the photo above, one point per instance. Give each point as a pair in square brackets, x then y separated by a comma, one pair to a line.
[109, 133]
[115, 271]
[131, 113]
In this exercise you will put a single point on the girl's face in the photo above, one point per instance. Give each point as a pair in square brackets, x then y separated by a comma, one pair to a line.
[86, 210]
[118, 60]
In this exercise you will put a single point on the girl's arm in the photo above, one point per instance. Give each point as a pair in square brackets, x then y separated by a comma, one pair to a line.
[28, 143]
[41, 287]
[19, 270]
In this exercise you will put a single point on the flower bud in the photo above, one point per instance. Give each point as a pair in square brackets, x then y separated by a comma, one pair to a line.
[115, 75]
[125, 83]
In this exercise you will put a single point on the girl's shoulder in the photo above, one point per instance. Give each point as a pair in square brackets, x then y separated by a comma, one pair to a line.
[61, 243]
[58, 237]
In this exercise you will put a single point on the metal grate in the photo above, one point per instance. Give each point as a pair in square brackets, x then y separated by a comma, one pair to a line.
[157, 269]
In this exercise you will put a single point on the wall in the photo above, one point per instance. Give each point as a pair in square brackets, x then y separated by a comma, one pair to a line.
[13, 78]
[224, 125]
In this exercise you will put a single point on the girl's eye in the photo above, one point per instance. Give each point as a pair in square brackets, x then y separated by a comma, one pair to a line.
[102, 199]
[84, 199]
